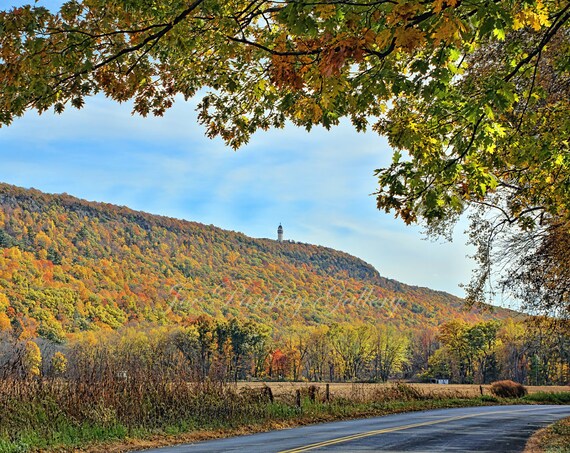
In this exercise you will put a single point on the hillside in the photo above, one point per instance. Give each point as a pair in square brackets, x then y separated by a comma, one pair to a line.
[68, 265]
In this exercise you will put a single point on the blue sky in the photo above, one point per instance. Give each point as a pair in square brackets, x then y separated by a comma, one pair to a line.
[316, 184]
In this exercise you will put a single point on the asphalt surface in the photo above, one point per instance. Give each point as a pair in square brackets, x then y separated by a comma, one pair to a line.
[475, 429]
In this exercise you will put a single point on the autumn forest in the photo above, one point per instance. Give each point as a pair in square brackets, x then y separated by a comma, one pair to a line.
[81, 279]
[122, 330]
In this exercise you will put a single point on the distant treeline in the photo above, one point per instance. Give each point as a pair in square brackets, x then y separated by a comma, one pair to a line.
[535, 351]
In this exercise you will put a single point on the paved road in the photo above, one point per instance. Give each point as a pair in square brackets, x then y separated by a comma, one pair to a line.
[476, 429]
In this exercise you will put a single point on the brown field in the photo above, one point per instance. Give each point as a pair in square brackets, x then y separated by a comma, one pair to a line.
[351, 390]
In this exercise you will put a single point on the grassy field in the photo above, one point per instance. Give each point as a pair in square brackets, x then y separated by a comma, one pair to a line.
[350, 390]
[113, 416]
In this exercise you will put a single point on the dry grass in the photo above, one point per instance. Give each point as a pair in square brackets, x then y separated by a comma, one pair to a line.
[116, 414]
[552, 439]
[348, 390]
[357, 401]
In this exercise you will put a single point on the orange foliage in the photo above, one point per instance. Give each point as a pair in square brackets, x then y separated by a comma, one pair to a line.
[86, 266]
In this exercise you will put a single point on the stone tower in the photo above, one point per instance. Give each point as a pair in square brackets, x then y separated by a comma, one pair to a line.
[280, 233]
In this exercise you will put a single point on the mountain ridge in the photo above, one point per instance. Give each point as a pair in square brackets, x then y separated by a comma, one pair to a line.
[88, 265]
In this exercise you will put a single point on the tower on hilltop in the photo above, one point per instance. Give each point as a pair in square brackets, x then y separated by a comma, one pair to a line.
[280, 233]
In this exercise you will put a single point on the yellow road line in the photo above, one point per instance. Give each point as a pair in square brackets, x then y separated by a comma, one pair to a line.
[394, 429]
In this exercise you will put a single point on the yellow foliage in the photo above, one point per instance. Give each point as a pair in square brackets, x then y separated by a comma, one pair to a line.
[409, 38]
[32, 359]
[125, 287]
[439, 4]
[403, 12]
[5, 324]
[308, 109]
[13, 253]
[59, 363]
[4, 302]
[325, 11]
[383, 38]
[448, 30]
[43, 240]
[233, 257]
[535, 17]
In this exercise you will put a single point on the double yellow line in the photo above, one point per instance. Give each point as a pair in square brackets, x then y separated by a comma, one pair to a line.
[340, 440]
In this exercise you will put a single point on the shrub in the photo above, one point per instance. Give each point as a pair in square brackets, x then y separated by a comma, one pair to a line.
[508, 389]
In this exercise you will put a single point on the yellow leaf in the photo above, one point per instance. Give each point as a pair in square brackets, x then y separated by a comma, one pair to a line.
[383, 38]
[535, 17]
[445, 31]
[325, 11]
[409, 39]
[438, 6]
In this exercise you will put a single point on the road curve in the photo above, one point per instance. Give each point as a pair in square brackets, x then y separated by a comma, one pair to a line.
[474, 429]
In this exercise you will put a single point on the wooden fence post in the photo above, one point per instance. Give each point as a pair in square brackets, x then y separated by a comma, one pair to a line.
[313, 389]
[268, 393]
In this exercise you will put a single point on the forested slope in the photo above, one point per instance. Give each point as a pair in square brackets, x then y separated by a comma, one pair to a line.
[68, 265]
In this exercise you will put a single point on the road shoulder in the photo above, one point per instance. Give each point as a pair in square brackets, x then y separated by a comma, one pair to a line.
[554, 438]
